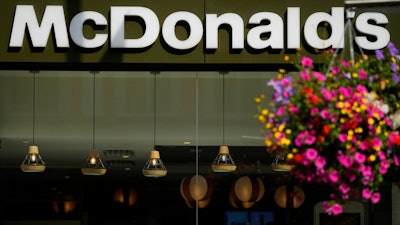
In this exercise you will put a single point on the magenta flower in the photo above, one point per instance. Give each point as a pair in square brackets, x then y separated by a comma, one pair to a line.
[334, 176]
[375, 197]
[396, 160]
[311, 154]
[342, 137]
[320, 162]
[359, 157]
[337, 209]
[305, 76]
[314, 111]
[345, 160]
[344, 188]
[327, 95]
[362, 74]
[306, 61]
[325, 114]
[319, 76]
[366, 193]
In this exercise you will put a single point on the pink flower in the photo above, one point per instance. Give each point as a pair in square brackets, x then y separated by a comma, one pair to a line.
[314, 111]
[334, 176]
[362, 74]
[344, 188]
[396, 160]
[335, 70]
[327, 95]
[311, 153]
[345, 160]
[359, 157]
[337, 209]
[366, 193]
[325, 114]
[365, 170]
[305, 76]
[280, 111]
[363, 145]
[361, 89]
[320, 162]
[342, 137]
[319, 76]
[345, 64]
[376, 142]
[346, 92]
[306, 62]
[375, 197]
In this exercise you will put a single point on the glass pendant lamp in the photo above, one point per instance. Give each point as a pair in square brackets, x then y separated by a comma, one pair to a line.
[93, 164]
[33, 162]
[154, 167]
[223, 162]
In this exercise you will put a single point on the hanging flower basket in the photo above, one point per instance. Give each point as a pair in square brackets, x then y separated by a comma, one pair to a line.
[337, 123]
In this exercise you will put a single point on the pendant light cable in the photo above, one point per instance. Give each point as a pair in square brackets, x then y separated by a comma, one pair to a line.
[154, 109]
[33, 107]
[94, 111]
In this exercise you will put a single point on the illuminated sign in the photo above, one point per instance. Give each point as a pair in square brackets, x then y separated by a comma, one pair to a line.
[368, 24]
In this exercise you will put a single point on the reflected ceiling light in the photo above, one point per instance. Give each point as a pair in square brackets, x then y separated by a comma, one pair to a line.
[196, 189]
[126, 196]
[223, 162]
[33, 162]
[246, 191]
[93, 164]
[289, 196]
[154, 167]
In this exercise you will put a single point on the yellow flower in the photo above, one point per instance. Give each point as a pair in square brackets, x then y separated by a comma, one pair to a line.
[281, 127]
[289, 156]
[261, 118]
[268, 125]
[268, 142]
[282, 71]
[379, 130]
[372, 158]
[288, 131]
[286, 58]
[371, 121]
[295, 150]
[257, 99]
[355, 75]
[264, 112]
[340, 104]
[358, 130]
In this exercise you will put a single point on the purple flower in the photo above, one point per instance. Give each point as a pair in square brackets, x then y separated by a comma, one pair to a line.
[379, 54]
[392, 49]
[395, 77]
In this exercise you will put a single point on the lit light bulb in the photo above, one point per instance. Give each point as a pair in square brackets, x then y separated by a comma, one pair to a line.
[33, 157]
[223, 158]
[153, 162]
[92, 160]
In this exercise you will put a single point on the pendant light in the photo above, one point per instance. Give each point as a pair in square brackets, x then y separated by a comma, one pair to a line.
[223, 162]
[93, 164]
[33, 162]
[154, 167]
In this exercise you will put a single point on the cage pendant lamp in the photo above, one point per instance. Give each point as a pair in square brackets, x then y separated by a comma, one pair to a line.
[223, 162]
[93, 164]
[33, 162]
[154, 166]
